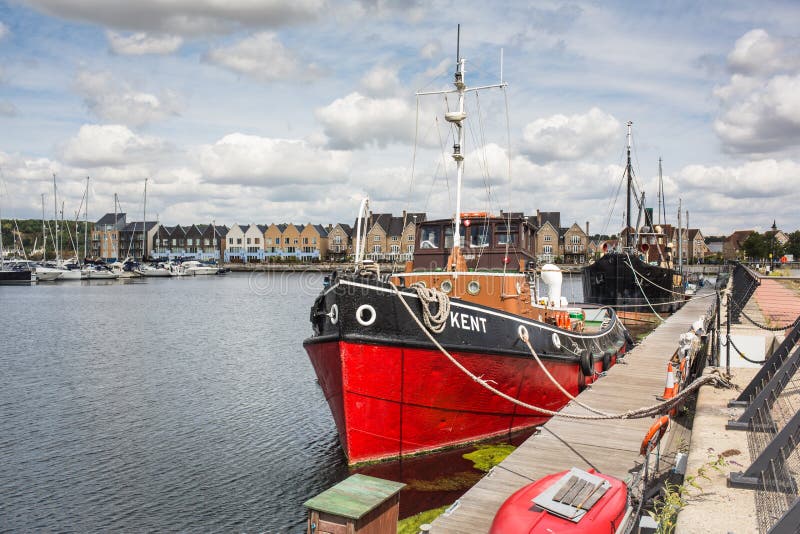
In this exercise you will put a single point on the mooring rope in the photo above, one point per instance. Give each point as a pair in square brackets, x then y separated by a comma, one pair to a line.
[639, 413]
[642, 289]
[435, 322]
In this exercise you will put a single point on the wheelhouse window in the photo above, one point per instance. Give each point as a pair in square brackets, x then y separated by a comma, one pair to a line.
[479, 235]
[429, 237]
[505, 235]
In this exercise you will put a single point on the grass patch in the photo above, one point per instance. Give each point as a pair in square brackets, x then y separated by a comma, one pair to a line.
[455, 482]
[410, 525]
[487, 456]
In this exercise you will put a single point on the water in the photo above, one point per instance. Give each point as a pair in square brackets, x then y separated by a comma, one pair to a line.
[176, 404]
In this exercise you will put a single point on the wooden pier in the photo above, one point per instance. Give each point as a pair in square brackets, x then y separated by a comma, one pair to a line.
[610, 446]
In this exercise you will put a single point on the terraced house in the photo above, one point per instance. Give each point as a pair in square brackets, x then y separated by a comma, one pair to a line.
[273, 246]
[392, 238]
[313, 242]
[339, 242]
[105, 236]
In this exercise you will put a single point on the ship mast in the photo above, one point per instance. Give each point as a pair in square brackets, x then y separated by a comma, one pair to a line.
[456, 118]
[629, 174]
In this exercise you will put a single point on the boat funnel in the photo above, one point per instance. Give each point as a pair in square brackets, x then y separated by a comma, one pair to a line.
[551, 276]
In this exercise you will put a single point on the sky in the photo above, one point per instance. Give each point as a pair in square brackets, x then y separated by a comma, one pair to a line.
[292, 111]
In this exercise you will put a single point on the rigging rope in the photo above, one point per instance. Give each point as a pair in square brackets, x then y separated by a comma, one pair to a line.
[639, 413]
[642, 289]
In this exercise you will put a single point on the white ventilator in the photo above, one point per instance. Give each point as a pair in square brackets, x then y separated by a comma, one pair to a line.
[552, 278]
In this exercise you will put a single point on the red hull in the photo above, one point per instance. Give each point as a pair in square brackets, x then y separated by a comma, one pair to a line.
[390, 401]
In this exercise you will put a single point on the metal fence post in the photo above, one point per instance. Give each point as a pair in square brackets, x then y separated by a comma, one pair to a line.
[728, 338]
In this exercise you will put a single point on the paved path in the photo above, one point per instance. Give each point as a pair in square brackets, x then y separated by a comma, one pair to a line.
[611, 447]
[779, 304]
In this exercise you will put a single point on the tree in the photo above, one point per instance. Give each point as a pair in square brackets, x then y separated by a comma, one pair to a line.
[756, 247]
[793, 245]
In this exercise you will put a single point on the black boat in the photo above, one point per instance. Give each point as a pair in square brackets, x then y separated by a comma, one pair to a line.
[17, 274]
[638, 278]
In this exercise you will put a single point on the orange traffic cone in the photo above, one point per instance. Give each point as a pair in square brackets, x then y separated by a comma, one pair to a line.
[669, 388]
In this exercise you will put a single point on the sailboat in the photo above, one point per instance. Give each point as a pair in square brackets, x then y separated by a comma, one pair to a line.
[443, 354]
[626, 279]
[13, 272]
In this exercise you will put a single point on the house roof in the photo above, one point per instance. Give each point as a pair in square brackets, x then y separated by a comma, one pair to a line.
[243, 227]
[108, 218]
[321, 230]
[263, 227]
[395, 226]
[553, 217]
[693, 232]
[738, 237]
[136, 226]
[417, 217]
[346, 228]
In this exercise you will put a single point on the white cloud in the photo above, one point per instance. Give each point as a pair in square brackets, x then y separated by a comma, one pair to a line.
[760, 105]
[431, 49]
[754, 179]
[110, 145]
[116, 102]
[561, 137]
[8, 109]
[356, 121]
[252, 160]
[4, 31]
[263, 57]
[140, 43]
[380, 81]
[757, 52]
[185, 17]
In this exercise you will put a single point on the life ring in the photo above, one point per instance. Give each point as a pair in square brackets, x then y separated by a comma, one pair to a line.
[586, 361]
[655, 434]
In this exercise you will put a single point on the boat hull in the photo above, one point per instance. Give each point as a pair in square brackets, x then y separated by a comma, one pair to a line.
[624, 281]
[393, 393]
[18, 276]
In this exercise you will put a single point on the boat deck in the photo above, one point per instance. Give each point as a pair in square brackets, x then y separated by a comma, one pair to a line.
[611, 446]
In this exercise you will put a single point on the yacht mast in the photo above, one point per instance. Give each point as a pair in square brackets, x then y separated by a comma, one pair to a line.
[660, 192]
[628, 172]
[57, 238]
[86, 222]
[44, 234]
[144, 223]
[680, 240]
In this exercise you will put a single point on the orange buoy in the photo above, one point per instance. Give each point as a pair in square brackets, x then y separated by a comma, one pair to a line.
[654, 434]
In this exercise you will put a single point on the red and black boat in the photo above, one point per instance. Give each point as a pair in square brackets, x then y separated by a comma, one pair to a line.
[394, 392]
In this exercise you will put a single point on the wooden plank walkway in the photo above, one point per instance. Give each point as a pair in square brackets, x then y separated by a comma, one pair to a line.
[611, 447]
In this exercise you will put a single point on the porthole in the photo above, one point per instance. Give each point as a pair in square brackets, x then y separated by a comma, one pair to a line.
[365, 315]
[474, 287]
[556, 341]
[446, 286]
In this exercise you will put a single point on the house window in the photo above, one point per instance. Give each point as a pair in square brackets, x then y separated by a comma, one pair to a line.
[205, 242]
[576, 239]
[305, 241]
[286, 241]
[376, 249]
[313, 240]
[238, 240]
[377, 239]
[410, 249]
[248, 240]
[174, 242]
[337, 239]
[257, 240]
[548, 238]
[548, 249]
[395, 238]
[189, 242]
[410, 237]
[296, 240]
[395, 249]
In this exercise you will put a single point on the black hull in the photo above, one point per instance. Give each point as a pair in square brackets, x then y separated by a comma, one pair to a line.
[611, 281]
[472, 327]
[16, 277]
